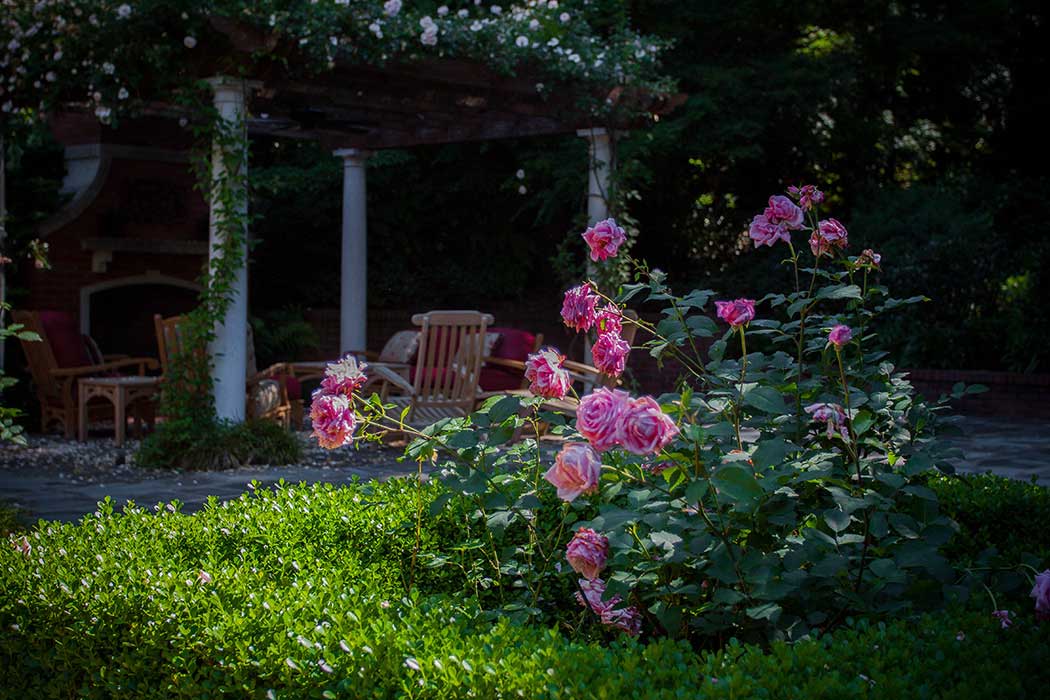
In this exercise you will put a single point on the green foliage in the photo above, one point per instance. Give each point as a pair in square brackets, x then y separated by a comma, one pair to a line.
[808, 520]
[995, 512]
[283, 335]
[9, 519]
[307, 599]
[189, 444]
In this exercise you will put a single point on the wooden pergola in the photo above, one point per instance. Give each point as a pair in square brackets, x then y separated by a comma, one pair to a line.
[354, 110]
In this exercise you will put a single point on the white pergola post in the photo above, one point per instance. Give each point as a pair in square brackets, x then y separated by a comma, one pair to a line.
[353, 291]
[3, 235]
[229, 352]
[599, 164]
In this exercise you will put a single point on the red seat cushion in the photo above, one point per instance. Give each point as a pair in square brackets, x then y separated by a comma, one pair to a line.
[514, 344]
[63, 334]
[499, 379]
[293, 386]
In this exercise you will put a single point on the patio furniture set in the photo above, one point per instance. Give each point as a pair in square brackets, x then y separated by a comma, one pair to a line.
[445, 366]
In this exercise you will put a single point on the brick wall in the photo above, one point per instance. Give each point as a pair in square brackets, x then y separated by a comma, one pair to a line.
[1010, 394]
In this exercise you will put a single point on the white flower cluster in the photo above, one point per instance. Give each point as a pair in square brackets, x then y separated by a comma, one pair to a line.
[37, 39]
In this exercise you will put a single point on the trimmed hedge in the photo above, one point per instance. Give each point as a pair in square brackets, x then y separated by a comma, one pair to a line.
[306, 600]
[993, 511]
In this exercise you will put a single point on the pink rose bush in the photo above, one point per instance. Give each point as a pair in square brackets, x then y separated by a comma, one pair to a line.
[610, 354]
[807, 196]
[343, 377]
[869, 259]
[840, 335]
[576, 471]
[644, 428]
[579, 310]
[829, 235]
[604, 239]
[832, 415]
[333, 420]
[546, 374]
[765, 494]
[598, 417]
[736, 313]
[626, 619]
[587, 553]
[782, 211]
[1041, 594]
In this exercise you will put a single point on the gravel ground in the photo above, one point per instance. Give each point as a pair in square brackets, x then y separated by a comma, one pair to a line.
[99, 461]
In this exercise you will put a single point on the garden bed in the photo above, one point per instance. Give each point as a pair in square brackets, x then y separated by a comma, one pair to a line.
[302, 593]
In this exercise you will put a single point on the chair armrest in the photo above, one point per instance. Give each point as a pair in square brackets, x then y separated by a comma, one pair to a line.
[504, 362]
[86, 370]
[115, 358]
[274, 371]
[389, 375]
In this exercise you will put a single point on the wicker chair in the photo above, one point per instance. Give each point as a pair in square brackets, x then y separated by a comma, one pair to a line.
[61, 357]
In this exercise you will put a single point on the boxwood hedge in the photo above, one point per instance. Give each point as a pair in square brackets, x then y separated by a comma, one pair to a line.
[300, 593]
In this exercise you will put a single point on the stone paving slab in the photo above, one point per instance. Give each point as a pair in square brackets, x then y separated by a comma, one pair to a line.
[1015, 448]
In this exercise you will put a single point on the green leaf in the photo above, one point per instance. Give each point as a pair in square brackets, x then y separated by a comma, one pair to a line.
[772, 452]
[766, 399]
[695, 491]
[839, 291]
[504, 409]
[737, 482]
[766, 611]
[836, 519]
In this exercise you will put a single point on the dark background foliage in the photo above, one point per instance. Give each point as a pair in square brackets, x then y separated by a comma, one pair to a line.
[923, 121]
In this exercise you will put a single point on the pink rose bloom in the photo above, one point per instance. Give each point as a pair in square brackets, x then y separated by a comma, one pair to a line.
[645, 429]
[604, 239]
[807, 196]
[830, 234]
[782, 210]
[840, 335]
[22, 546]
[764, 232]
[343, 377]
[333, 420]
[204, 577]
[736, 313]
[598, 417]
[1041, 594]
[832, 414]
[587, 552]
[610, 354]
[610, 320]
[869, 258]
[579, 309]
[627, 619]
[576, 470]
[1004, 618]
[546, 375]
[593, 590]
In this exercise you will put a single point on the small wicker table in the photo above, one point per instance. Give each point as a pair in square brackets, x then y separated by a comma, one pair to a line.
[122, 392]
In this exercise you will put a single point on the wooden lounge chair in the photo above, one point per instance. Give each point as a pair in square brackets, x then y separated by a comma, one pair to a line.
[267, 391]
[63, 357]
[444, 381]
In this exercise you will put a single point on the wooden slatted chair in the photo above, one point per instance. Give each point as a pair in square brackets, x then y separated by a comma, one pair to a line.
[266, 390]
[444, 382]
[59, 360]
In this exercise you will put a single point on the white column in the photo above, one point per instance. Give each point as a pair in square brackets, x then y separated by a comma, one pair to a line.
[228, 350]
[3, 235]
[353, 292]
[599, 164]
